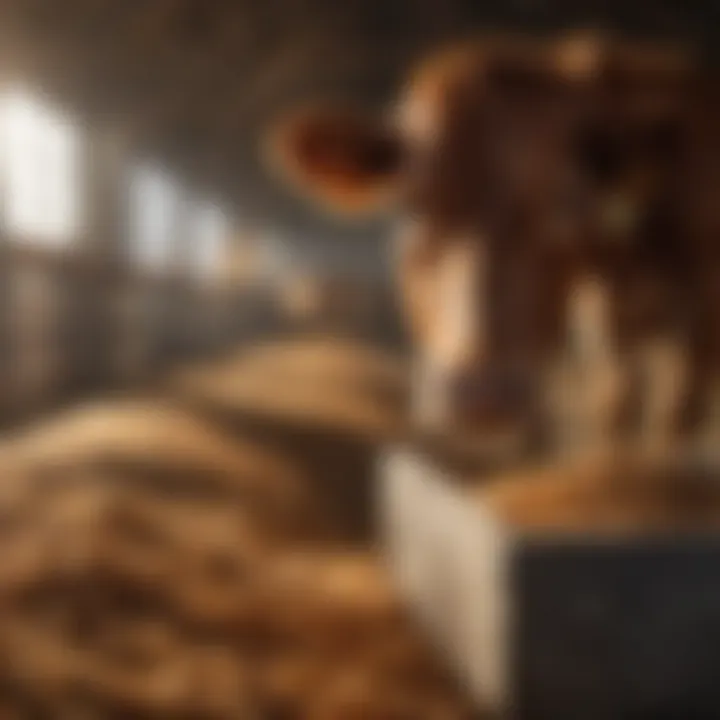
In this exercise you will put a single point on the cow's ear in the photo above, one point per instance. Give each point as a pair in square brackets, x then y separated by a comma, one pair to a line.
[345, 160]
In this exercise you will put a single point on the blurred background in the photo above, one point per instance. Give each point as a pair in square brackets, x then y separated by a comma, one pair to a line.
[198, 369]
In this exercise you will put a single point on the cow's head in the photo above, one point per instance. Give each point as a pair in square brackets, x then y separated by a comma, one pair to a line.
[486, 158]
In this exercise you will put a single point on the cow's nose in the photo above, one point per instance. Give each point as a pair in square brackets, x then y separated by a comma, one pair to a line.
[488, 397]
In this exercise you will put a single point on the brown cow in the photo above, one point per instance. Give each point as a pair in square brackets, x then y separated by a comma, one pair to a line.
[517, 169]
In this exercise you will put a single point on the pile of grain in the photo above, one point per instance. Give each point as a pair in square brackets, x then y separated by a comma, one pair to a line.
[160, 448]
[115, 605]
[151, 569]
[626, 492]
[325, 402]
[343, 647]
[318, 382]
[119, 603]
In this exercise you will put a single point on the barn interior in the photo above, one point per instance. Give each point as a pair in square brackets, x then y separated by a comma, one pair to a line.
[202, 373]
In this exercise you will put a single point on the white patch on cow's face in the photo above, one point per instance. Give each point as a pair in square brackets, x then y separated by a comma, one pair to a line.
[459, 333]
[455, 342]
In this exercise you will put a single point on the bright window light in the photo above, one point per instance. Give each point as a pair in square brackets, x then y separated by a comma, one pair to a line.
[41, 172]
[154, 205]
[208, 241]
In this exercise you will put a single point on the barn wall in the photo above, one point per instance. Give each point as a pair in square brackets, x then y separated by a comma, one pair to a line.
[80, 320]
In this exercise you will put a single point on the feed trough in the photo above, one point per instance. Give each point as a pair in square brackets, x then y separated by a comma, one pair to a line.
[563, 594]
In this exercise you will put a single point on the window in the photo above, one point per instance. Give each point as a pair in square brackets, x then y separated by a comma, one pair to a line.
[154, 204]
[208, 241]
[40, 172]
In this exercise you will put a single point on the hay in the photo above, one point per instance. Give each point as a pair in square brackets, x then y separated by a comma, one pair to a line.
[115, 605]
[625, 493]
[150, 568]
[318, 383]
[343, 647]
[147, 431]
[162, 448]
[326, 403]
[112, 603]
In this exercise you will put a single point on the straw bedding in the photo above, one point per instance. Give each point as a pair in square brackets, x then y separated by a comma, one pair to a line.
[152, 568]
